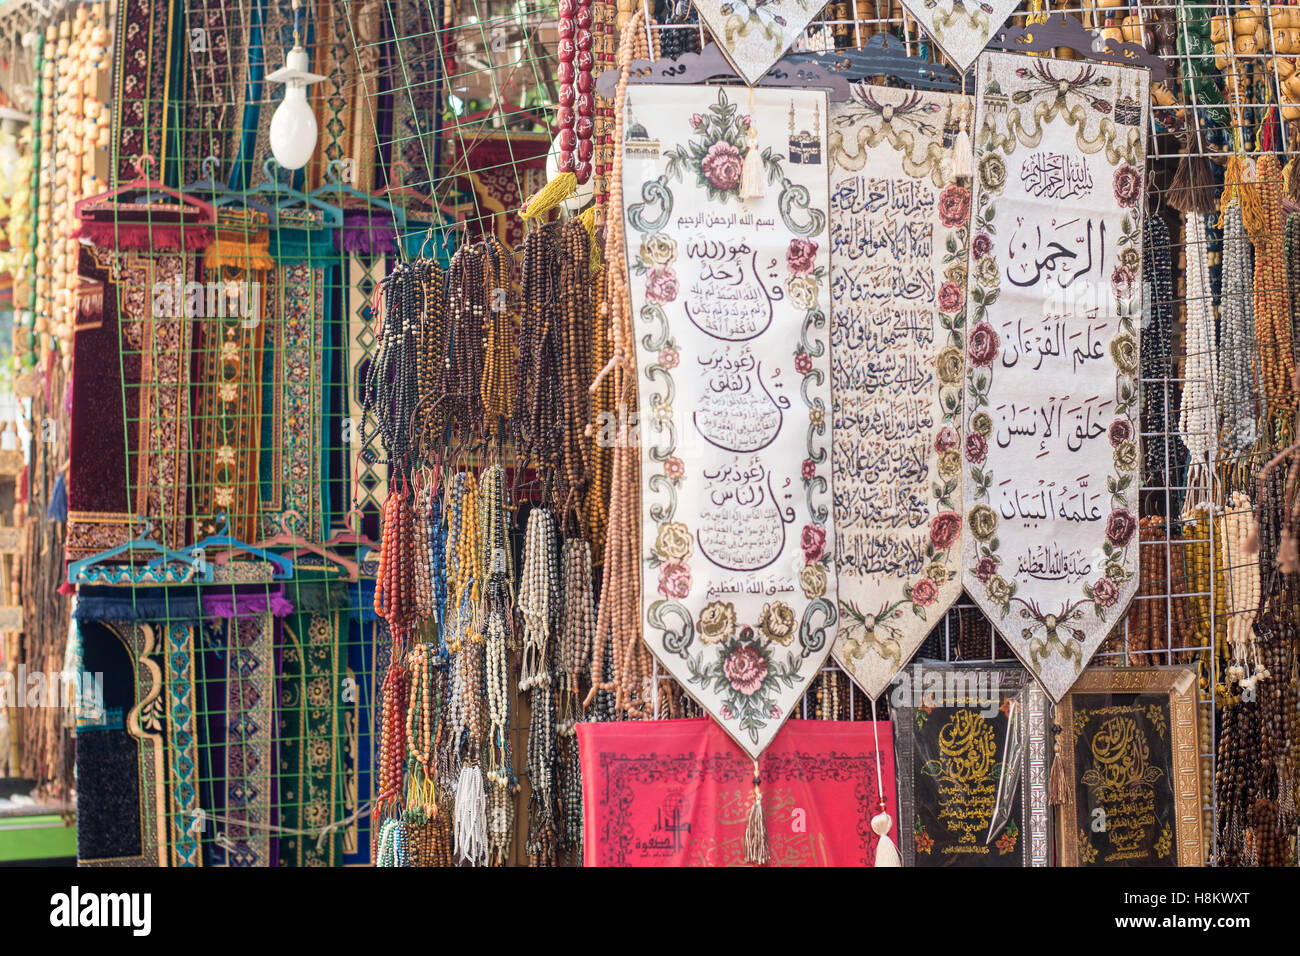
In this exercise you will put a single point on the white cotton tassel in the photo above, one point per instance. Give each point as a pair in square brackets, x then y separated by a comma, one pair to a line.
[886, 851]
[471, 817]
[962, 151]
[751, 173]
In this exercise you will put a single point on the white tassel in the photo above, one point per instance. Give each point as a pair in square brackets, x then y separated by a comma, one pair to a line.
[886, 851]
[751, 173]
[471, 817]
[962, 151]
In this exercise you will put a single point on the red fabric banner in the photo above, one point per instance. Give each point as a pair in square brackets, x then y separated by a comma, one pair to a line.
[678, 793]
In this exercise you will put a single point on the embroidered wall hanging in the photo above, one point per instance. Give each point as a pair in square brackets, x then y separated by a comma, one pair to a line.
[961, 28]
[756, 34]
[899, 231]
[677, 793]
[1051, 404]
[731, 297]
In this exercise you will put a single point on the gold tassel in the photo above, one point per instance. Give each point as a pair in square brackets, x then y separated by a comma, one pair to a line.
[757, 850]
[1056, 789]
[549, 196]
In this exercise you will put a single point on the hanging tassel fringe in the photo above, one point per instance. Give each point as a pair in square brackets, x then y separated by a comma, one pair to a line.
[757, 850]
[549, 196]
[471, 817]
[1056, 790]
[962, 150]
[751, 173]
[1192, 188]
[886, 850]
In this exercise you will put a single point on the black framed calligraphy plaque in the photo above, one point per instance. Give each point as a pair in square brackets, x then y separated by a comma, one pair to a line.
[1131, 764]
[970, 746]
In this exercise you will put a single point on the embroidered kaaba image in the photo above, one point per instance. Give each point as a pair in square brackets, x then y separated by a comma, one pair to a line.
[638, 144]
[805, 147]
[1128, 111]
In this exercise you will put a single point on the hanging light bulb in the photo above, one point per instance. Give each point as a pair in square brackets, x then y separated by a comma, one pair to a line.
[293, 125]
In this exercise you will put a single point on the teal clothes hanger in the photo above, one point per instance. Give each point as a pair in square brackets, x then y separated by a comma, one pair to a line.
[223, 541]
[272, 186]
[335, 186]
[163, 569]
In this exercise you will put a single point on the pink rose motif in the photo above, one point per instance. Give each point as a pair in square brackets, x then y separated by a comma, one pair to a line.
[745, 669]
[674, 469]
[674, 580]
[981, 245]
[1123, 282]
[944, 529]
[775, 712]
[722, 165]
[924, 592]
[803, 363]
[669, 357]
[976, 448]
[985, 568]
[950, 297]
[1128, 185]
[813, 542]
[946, 440]
[954, 206]
[661, 285]
[1121, 430]
[983, 346]
[1105, 592]
[697, 121]
[807, 470]
[801, 256]
[1120, 527]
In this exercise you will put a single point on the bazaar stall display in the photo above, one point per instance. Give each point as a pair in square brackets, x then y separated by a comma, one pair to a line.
[676, 433]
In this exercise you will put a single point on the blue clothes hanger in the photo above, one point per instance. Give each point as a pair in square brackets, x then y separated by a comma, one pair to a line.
[335, 186]
[163, 569]
[271, 185]
[223, 541]
[221, 196]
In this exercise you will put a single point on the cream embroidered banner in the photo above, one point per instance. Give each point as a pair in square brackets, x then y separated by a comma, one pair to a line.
[754, 34]
[1055, 304]
[730, 298]
[899, 230]
[961, 28]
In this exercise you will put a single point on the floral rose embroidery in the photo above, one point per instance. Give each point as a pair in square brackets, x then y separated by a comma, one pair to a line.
[717, 622]
[1123, 282]
[674, 580]
[992, 172]
[998, 590]
[982, 422]
[658, 249]
[1121, 430]
[669, 357]
[946, 440]
[1116, 573]
[1123, 349]
[986, 272]
[950, 365]
[803, 292]
[981, 245]
[801, 256]
[954, 206]
[816, 417]
[661, 285]
[983, 346]
[1126, 456]
[950, 297]
[949, 464]
[812, 578]
[803, 363]
[1129, 257]
[944, 529]
[924, 592]
[777, 622]
[745, 669]
[1128, 185]
[985, 568]
[977, 448]
[956, 272]
[813, 542]
[937, 573]
[722, 165]
[983, 522]
[674, 468]
[808, 470]
[1105, 593]
[1120, 526]
[673, 540]
[697, 120]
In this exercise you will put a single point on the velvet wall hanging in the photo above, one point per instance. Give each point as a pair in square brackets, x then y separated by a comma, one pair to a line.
[730, 298]
[899, 232]
[959, 27]
[1054, 309]
[249, 768]
[677, 793]
[218, 60]
[182, 743]
[141, 36]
